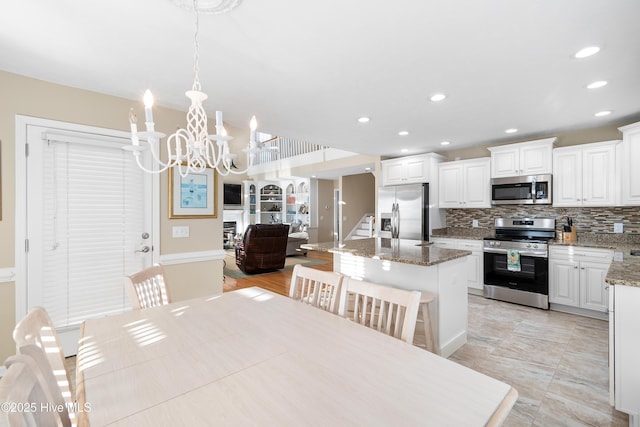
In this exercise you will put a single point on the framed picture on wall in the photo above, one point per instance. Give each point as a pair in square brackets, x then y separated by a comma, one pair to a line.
[194, 195]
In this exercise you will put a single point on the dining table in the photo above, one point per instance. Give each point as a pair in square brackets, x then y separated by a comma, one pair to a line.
[253, 357]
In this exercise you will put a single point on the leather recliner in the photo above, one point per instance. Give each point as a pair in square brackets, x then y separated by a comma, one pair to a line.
[263, 248]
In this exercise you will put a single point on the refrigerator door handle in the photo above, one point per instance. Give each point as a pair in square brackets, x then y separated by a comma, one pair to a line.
[395, 232]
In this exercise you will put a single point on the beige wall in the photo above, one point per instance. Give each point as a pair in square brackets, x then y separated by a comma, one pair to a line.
[325, 210]
[359, 194]
[25, 96]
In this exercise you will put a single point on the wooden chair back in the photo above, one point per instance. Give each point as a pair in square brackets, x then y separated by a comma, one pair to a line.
[24, 387]
[315, 287]
[36, 328]
[389, 310]
[147, 288]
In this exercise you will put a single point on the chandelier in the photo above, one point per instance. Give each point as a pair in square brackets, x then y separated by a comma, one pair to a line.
[192, 149]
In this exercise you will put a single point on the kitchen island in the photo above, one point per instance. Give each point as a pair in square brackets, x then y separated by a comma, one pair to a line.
[412, 265]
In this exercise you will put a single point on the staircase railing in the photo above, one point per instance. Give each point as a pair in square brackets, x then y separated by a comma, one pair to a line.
[281, 148]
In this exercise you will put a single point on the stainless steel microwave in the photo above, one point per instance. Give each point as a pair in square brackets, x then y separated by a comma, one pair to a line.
[522, 190]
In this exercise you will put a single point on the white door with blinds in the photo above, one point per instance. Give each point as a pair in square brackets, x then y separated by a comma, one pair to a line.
[89, 223]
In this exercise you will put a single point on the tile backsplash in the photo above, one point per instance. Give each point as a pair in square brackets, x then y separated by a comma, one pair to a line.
[586, 220]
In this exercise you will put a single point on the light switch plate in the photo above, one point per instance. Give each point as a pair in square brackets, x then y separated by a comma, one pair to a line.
[618, 257]
[617, 227]
[180, 232]
[475, 223]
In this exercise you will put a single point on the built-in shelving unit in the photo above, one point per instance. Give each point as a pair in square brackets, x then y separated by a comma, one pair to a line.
[252, 204]
[271, 204]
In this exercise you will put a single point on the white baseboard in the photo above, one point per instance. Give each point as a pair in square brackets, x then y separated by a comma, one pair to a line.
[188, 257]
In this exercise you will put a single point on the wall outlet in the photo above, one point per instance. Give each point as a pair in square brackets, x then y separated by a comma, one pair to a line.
[618, 257]
[617, 227]
[474, 223]
[180, 232]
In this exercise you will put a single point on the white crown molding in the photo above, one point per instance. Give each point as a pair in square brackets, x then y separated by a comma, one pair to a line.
[188, 257]
[7, 275]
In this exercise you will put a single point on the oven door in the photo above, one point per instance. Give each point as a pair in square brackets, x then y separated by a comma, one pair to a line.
[532, 277]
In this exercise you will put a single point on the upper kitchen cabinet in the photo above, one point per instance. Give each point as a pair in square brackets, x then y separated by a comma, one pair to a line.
[630, 169]
[585, 175]
[464, 184]
[523, 158]
[409, 169]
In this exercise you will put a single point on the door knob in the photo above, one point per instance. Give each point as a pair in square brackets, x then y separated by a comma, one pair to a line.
[144, 249]
[145, 235]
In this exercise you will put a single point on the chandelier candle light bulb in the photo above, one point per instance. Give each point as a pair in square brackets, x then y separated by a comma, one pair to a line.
[133, 120]
[148, 114]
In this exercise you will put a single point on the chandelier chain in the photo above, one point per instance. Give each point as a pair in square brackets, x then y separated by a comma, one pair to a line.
[196, 55]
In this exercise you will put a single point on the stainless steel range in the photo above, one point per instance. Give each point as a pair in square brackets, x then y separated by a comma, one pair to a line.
[516, 261]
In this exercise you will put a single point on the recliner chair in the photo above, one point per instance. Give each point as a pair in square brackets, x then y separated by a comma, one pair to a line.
[263, 248]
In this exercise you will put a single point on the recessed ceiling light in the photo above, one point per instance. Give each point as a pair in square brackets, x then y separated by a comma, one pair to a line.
[313, 176]
[512, 130]
[602, 113]
[403, 133]
[364, 119]
[438, 97]
[596, 85]
[587, 51]
[404, 150]
[367, 169]
[445, 143]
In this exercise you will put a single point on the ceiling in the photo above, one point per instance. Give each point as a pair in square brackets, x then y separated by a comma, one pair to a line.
[309, 69]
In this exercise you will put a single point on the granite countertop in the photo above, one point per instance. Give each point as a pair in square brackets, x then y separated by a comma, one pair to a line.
[462, 233]
[397, 250]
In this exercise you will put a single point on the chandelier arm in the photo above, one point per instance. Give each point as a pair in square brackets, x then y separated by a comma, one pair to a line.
[144, 169]
[155, 156]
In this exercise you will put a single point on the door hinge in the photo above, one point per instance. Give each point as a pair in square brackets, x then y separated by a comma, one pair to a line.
[26, 245]
[26, 150]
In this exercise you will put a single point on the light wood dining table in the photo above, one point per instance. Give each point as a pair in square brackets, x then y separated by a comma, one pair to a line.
[252, 357]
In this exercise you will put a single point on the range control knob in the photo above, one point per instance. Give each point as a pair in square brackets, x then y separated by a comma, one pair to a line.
[497, 243]
[535, 246]
[528, 245]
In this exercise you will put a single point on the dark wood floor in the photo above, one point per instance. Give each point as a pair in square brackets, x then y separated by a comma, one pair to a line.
[277, 282]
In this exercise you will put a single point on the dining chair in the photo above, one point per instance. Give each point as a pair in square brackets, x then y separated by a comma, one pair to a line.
[316, 287]
[36, 328]
[147, 288]
[27, 396]
[389, 310]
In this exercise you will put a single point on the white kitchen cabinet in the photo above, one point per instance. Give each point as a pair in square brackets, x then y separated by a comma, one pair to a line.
[475, 261]
[576, 277]
[630, 170]
[626, 350]
[523, 158]
[464, 184]
[585, 175]
[409, 169]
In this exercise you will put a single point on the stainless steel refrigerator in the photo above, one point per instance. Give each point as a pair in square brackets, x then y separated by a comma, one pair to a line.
[404, 211]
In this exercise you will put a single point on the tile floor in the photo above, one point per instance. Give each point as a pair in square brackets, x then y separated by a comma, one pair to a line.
[558, 363]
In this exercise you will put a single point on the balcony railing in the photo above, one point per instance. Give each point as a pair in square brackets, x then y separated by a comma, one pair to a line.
[278, 148]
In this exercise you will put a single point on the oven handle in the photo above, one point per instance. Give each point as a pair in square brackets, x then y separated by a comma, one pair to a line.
[536, 254]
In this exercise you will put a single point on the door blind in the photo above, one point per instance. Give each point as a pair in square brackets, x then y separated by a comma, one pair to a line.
[93, 216]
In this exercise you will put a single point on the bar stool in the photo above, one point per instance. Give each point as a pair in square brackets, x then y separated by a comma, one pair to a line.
[423, 317]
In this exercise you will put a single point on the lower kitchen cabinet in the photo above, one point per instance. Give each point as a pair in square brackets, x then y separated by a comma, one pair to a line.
[475, 264]
[624, 348]
[576, 277]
